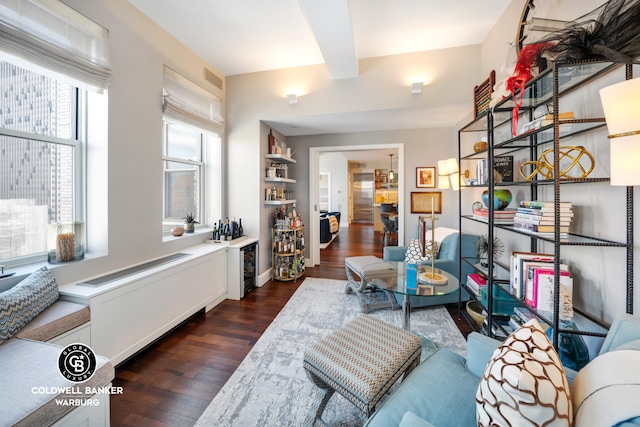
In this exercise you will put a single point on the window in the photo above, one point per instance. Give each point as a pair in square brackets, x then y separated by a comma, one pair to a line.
[183, 172]
[41, 158]
[191, 151]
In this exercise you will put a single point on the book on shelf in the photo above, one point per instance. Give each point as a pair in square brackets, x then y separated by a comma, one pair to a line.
[504, 217]
[535, 228]
[475, 282]
[504, 166]
[540, 214]
[529, 273]
[543, 220]
[546, 120]
[543, 285]
[515, 269]
[543, 204]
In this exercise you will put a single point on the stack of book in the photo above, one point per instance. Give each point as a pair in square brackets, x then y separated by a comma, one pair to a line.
[538, 217]
[475, 283]
[503, 217]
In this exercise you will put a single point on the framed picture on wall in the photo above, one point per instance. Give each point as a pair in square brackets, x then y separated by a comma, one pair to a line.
[426, 202]
[426, 177]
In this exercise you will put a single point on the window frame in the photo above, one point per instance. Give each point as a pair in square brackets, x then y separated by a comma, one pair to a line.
[169, 222]
[78, 129]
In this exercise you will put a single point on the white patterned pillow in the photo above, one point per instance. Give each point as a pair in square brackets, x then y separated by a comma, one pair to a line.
[23, 302]
[414, 254]
[524, 383]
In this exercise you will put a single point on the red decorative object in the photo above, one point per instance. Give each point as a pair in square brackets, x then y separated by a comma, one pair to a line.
[521, 75]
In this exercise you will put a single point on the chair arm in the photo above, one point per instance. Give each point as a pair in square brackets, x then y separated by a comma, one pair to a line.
[448, 265]
[479, 351]
[394, 253]
[625, 328]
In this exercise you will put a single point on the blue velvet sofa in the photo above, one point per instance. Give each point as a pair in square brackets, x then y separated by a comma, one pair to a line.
[441, 391]
[448, 259]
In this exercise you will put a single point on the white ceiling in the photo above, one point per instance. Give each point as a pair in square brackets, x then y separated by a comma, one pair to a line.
[244, 36]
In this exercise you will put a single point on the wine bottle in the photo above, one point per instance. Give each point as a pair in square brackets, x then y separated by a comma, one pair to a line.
[240, 229]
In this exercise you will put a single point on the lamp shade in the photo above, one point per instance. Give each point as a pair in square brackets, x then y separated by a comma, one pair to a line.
[443, 175]
[454, 173]
[621, 103]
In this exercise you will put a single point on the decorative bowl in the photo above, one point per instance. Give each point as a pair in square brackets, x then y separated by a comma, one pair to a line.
[475, 310]
[501, 198]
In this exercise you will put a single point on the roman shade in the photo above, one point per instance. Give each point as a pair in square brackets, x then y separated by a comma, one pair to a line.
[187, 102]
[53, 36]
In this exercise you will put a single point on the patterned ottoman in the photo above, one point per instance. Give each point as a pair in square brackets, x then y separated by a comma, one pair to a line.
[361, 361]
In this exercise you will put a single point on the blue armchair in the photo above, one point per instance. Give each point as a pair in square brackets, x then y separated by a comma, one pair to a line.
[448, 259]
[441, 390]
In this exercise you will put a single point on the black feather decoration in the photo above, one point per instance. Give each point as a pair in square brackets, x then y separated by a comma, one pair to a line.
[614, 35]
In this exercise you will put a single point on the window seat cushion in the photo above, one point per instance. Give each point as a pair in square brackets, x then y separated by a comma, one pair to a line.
[33, 365]
[57, 319]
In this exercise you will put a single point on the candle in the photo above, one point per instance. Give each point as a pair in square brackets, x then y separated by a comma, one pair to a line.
[65, 247]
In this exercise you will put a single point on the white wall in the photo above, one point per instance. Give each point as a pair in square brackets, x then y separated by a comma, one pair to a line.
[130, 201]
[337, 166]
[382, 85]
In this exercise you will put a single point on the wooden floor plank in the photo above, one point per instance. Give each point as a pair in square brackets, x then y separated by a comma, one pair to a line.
[172, 381]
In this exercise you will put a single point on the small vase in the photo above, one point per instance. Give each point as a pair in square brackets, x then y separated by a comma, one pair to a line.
[189, 227]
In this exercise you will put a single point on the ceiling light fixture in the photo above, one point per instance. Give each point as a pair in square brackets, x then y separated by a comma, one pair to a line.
[293, 98]
[391, 175]
[416, 87]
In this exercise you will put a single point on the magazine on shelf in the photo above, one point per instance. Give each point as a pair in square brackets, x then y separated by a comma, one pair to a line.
[544, 287]
[540, 220]
[515, 268]
[529, 272]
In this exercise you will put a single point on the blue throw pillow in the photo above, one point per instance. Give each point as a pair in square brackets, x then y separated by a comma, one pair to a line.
[28, 298]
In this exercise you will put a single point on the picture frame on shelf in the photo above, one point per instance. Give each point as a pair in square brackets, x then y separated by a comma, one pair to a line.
[426, 177]
[423, 201]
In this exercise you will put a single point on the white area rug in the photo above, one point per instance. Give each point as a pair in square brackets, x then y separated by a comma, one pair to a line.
[270, 387]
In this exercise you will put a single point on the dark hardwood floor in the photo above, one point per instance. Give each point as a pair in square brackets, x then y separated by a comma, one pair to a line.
[172, 381]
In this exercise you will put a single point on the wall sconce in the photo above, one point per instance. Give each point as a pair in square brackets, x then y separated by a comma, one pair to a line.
[448, 171]
[416, 87]
[293, 98]
[621, 104]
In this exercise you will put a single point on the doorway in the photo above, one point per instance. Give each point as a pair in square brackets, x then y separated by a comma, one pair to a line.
[313, 235]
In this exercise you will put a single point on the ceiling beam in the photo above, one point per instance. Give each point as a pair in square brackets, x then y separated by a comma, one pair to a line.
[330, 21]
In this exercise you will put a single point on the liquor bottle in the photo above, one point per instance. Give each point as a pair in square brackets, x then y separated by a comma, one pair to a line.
[240, 229]
[227, 229]
[215, 232]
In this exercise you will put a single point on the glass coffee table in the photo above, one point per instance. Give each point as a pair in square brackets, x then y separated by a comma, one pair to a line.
[391, 276]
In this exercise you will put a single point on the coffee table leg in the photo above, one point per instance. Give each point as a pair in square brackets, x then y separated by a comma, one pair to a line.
[406, 311]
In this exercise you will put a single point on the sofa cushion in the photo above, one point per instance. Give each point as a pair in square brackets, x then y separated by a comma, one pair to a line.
[33, 365]
[23, 302]
[430, 392]
[606, 392]
[57, 319]
[414, 252]
[524, 381]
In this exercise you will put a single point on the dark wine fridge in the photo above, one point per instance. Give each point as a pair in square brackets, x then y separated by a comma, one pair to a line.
[248, 268]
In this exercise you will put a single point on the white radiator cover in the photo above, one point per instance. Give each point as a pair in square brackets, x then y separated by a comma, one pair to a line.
[130, 313]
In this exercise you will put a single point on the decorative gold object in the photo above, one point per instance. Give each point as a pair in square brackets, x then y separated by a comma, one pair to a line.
[480, 146]
[544, 164]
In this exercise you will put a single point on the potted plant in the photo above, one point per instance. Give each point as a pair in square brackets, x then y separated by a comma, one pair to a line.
[190, 223]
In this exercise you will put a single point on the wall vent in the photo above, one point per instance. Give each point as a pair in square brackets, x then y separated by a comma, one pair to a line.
[212, 78]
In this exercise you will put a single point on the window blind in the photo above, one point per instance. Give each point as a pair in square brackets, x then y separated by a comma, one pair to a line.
[52, 35]
[185, 101]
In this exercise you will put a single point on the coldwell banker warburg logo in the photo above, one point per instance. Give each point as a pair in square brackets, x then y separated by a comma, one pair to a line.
[77, 362]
